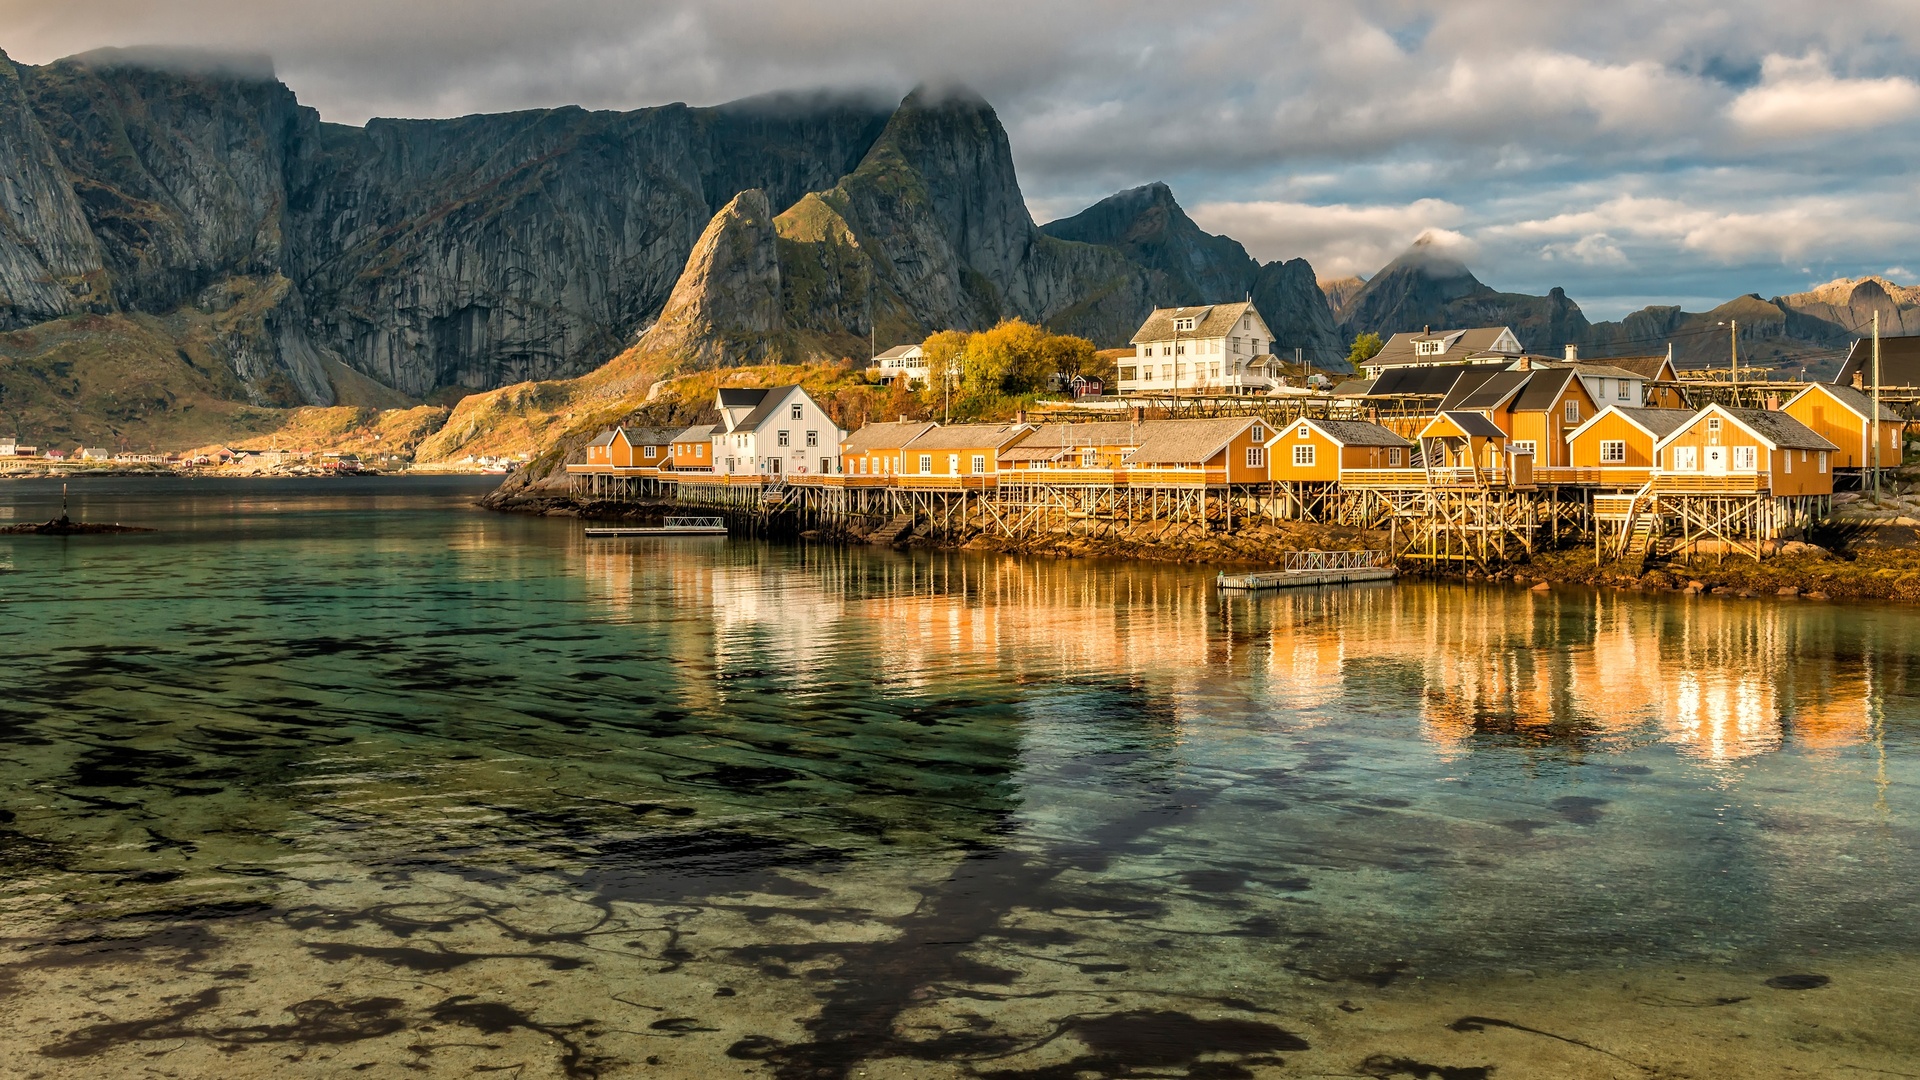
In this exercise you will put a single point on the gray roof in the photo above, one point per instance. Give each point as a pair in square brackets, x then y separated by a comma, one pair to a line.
[1662, 422]
[1645, 367]
[741, 397]
[1543, 390]
[884, 436]
[1860, 401]
[1899, 362]
[1097, 433]
[1432, 381]
[1214, 320]
[1492, 392]
[968, 437]
[1781, 430]
[770, 400]
[1461, 344]
[1476, 425]
[1186, 442]
[1359, 433]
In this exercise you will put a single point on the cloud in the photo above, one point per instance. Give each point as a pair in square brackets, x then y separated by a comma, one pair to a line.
[1798, 97]
[1339, 240]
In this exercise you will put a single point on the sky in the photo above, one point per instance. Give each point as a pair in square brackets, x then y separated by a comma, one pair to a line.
[1633, 152]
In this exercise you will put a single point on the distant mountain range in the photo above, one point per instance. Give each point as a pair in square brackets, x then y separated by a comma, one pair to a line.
[182, 242]
[1811, 330]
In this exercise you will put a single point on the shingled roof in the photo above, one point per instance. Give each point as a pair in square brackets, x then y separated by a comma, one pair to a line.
[1186, 442]
[1358, 433]
[1212, 320]
[890, 435]
[1859, 401]
[1775, 428]
[968, 437]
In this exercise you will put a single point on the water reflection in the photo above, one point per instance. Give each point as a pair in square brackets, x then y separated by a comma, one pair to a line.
[429, 778]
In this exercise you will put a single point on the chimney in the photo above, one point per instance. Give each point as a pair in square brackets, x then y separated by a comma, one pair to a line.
[1573, 352]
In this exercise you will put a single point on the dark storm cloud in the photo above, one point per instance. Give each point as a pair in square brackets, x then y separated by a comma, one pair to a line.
[1733, 146]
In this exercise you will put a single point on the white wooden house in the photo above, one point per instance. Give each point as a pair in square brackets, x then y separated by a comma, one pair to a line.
[1217, 348]
[774, 433]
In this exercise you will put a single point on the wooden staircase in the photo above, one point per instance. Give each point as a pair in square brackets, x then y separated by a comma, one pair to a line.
[1641, 532]
[893, 531]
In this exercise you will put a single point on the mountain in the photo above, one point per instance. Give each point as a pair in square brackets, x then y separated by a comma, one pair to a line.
[194, 195]
[1427, 286]
[1192, 266]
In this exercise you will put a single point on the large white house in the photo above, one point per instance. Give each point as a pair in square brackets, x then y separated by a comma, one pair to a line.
[1221, 348]
[907, 362]
[774, 433]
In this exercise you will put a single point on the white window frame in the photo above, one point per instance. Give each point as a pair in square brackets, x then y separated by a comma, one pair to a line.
[1613, 451]
[1304, 455]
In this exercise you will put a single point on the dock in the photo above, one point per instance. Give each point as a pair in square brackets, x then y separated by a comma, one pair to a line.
[1305, 568]
[673, 526]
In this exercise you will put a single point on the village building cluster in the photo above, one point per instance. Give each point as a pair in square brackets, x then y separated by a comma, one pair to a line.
[1440, 423]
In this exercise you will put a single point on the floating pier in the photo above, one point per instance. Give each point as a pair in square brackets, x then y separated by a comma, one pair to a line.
[673, 526]
[1317, 568]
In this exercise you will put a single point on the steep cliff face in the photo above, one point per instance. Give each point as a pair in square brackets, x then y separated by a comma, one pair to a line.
[1189, 265]
[49, 262]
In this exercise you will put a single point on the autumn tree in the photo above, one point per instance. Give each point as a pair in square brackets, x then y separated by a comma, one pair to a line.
[1366, 346]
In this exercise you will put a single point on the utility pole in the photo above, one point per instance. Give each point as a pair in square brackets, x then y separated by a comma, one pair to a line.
[1734, 340]
[1875, 426]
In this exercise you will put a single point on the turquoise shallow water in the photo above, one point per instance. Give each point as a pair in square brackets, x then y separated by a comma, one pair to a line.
[350, 778]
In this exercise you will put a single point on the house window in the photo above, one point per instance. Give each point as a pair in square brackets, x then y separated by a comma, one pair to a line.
[926, 464]
[813, 438]
[1393, 457]
[1613, 451]
[979, 465]
[1573, 412]
[1257, 457]
[1823, 461]
[1743, 457]
[1257, 432]
[796, 411]
[1303, 455]
[783, 438]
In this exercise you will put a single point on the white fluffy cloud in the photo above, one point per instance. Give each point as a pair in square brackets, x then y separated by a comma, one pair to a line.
[1802, 96]
[1339, 240]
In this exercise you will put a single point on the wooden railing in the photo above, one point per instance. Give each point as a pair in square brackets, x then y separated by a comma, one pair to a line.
[1668, 483]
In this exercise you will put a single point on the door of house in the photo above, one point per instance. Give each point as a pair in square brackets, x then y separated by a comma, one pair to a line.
[1716, 459]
